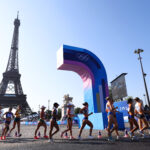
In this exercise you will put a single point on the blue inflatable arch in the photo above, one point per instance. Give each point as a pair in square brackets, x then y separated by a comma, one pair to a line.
[92, 72]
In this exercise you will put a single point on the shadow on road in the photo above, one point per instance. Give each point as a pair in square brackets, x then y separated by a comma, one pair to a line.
[101, 141]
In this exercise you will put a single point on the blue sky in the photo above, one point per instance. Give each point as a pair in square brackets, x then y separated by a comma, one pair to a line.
[112, 29]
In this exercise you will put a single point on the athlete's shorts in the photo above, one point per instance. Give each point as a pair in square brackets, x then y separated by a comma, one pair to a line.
[54, 119]
[85, 118]
[70, 119]
[41, 121]
[7, 122]
[130, 116]
[17, 119]
[140, 116]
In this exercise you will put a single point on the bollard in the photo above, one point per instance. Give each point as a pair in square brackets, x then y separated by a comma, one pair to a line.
[16, 134]
[39, 135]
[126, 134]
[99, 135]
[66, 136]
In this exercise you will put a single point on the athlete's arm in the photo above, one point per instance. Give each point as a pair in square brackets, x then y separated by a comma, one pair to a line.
[16, 112]
[114, 108]
[135, 112]
[90, 113]
[4, 115]
[106, 110]
[111, 106]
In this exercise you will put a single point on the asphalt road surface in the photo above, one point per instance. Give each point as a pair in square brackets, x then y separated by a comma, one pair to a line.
[26, 142]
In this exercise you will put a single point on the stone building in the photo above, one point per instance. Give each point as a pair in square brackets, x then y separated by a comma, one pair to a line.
[66, 101]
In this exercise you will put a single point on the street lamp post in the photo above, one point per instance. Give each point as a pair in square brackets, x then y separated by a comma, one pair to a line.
[144, 98]
[48, 104]
[39, 107]
[138, 51]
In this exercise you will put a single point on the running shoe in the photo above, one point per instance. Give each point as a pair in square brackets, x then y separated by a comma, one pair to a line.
[16, 134]
[130, 133]
[71, 137]
[111, 139]
[8, 135]
[134, 138]
[46, 137]
[79, 138]
[4, 137]
[140, 132]
[19, 135]
[50, 141]
[90, 137]
[143, 136]
[1, 138]
[118, 137]
[66, 137]
[35, 137]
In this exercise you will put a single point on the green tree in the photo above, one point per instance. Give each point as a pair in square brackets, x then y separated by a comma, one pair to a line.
[110, 92]
[128, 97]
[77, 110]
[59, 113]
[48, 114]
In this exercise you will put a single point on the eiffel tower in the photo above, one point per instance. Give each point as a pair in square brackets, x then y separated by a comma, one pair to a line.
[11, 93]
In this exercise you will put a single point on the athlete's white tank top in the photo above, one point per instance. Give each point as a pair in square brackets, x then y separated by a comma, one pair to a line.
[137, 106]
[107, 107]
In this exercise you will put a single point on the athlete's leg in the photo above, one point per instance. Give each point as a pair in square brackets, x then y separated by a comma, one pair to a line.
[68, 127]
[38, 126]
[51, 128]
[89, 123]
[5, 129]
[115, 126]
[144, 121]
[134, 122]
[131, 124]
[45, 128]
[82, 127]
[18, 125]
[14, 125]
[110, 122]
[57, 128]
[140, 124]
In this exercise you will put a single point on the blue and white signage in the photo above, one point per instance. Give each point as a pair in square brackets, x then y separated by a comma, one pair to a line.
[122, 107]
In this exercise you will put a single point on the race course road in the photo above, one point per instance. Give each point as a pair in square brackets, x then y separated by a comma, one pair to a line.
[26, 142]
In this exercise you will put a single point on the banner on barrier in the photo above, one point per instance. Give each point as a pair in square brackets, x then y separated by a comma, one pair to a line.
[48, 123]
[122, 107]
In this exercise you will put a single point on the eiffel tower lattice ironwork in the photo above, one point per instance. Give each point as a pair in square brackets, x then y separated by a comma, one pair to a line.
[11, 93]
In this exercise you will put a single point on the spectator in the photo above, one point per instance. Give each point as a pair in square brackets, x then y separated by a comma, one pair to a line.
[147, 112]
